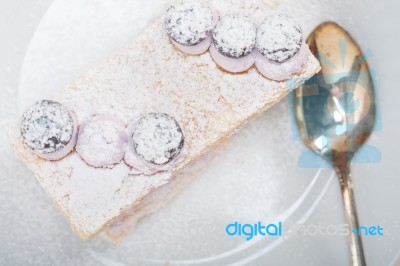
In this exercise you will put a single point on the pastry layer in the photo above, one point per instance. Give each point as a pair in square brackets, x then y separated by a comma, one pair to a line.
[126, 222]
[151, 75]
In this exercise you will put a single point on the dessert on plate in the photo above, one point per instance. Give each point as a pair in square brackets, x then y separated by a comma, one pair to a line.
[128, 135]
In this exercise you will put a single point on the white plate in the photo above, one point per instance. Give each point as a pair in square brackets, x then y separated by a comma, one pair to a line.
[255, 178]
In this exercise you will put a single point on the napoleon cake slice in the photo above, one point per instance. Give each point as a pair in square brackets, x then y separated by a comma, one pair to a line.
[132, 124]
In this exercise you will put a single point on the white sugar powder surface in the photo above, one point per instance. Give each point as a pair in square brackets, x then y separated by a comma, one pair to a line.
[47, 127]
[157, 138]
[102, 141]
[189, 22]
[235, 36]
[279, 38]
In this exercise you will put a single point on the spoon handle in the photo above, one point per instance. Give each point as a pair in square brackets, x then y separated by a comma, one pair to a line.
[350, 212]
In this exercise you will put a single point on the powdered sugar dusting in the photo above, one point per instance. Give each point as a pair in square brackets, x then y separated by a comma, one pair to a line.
[47, 127]
[279, 38]
[235, 36]
[189, 22]
[157, 138]
[142, 167]
[230, 64]
[101, 141]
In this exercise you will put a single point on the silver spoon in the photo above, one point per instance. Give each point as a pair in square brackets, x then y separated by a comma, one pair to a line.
[335, 112]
